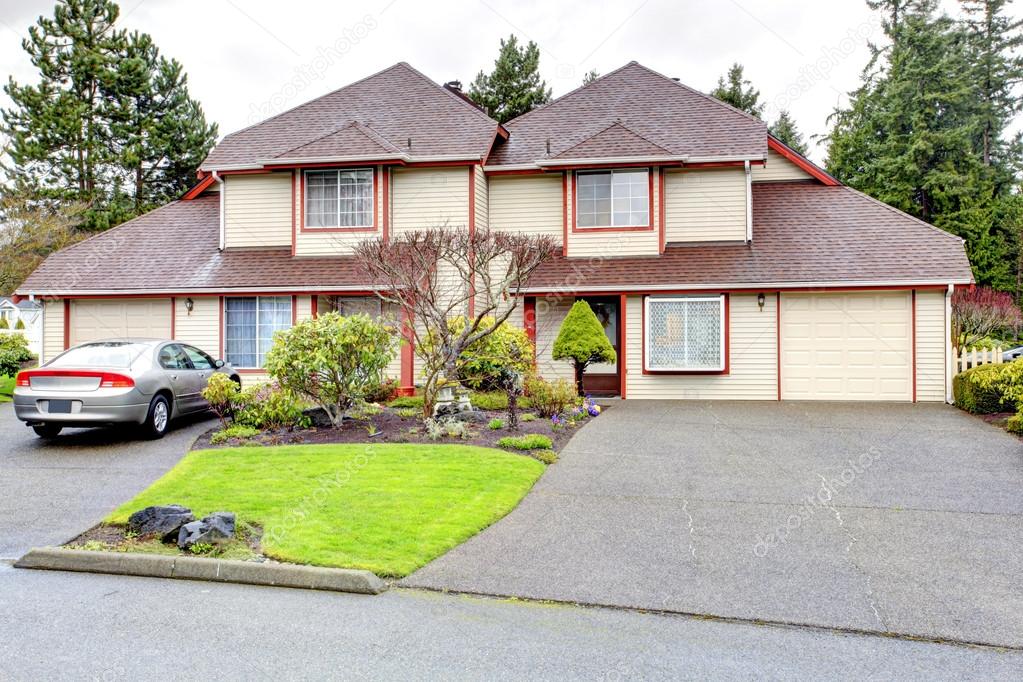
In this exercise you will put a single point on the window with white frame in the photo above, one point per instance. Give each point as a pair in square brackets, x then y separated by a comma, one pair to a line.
[613, 198]
[685, 333]
[249, 326]
[339, 198]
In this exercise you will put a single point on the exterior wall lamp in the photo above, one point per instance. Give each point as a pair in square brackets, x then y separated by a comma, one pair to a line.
[189, 304]
[760, 300]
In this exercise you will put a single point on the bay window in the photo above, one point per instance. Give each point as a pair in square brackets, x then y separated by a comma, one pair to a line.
[685, 333]
[619, 198]
[249, 326]
[339, 198]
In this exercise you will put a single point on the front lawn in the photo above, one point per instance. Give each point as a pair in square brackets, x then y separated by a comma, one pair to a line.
[6, 389]
[386, 508]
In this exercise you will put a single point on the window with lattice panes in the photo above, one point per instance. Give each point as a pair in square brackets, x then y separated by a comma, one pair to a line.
[685, 333]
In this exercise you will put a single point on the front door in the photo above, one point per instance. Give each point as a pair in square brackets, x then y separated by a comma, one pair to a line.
[604, 379]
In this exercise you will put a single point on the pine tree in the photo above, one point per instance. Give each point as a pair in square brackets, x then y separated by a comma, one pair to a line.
[734, 89]
[110, 122]
[514, 86]
[785, 130]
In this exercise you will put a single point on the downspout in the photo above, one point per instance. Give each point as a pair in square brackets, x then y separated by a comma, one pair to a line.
[220, 181]
[950, 360]
[749, 202]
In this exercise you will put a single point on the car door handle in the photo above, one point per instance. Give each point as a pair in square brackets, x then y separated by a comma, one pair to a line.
[174, 377]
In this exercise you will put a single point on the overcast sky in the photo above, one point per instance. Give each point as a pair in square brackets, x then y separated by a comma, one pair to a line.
[248, 59]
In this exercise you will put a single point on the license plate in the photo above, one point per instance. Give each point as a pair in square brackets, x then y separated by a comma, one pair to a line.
[59, 407]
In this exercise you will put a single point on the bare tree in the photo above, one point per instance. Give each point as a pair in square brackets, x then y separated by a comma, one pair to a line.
[979, 311]
[434, 276]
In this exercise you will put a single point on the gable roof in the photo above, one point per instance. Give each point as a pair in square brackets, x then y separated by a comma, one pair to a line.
[353, 139]
[614, 140]
[669, 115]
[390, 107]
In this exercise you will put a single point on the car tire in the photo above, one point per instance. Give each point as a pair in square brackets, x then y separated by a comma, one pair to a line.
[47, 430]
[158, 418]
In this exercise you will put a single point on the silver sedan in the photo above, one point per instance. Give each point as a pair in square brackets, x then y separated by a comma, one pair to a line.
[135, 381]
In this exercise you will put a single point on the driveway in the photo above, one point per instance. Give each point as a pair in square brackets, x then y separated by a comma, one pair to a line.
[890, 518]
[50, 491]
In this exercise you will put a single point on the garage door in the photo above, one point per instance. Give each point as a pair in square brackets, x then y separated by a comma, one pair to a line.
[94, 320]
[846, 346]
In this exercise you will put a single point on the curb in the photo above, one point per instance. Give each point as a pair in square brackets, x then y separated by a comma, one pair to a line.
[194, 568]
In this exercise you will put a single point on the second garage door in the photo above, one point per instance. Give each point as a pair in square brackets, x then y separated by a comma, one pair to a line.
[111, 318]
[846, 346]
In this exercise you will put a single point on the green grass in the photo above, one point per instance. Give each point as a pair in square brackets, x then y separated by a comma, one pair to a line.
[6, 389]
[385, 508]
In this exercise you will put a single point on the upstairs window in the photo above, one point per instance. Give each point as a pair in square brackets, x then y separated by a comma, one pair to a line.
[339, 198]
[613, 199]
[685, 334]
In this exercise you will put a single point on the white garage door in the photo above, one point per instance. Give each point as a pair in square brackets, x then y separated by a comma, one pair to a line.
[105, 319]
[846, 346]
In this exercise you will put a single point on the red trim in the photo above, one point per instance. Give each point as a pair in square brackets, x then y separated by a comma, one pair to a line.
[385, 219]
[605, 166]
[198, 188]
[221, 349]
[294, 310]
[529, 321]
[430, 164]
[660, 210]
[675, 372]
[777, 329]
[803, 163]
[330, 230]
[565, 180]
[314, 305]
[294, 212]
[67, 323]
[623, 346]
[913, 340]
[248, 171]
[408, 386]
[627, 228]
[722, 164]
[174, 316]
[744, 290]
[517, 171]
[365, 163]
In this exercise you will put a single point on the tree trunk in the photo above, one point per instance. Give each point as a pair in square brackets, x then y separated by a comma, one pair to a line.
[579, 369]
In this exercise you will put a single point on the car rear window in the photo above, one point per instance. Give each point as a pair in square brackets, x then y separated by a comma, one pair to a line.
[111, 354]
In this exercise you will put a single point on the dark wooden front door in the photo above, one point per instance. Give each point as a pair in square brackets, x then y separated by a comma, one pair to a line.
[604, 379]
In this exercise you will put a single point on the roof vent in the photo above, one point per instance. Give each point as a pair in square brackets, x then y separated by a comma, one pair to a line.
[454, 86]
[548, 146]
[675, 79]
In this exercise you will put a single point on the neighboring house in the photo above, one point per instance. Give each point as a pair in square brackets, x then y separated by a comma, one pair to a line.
[28, 313]
[722, 263]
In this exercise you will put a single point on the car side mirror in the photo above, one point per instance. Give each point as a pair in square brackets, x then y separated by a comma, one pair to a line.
[218, 364]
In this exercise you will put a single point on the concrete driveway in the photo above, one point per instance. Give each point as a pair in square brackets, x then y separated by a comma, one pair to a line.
[889, 518]
[50, 491]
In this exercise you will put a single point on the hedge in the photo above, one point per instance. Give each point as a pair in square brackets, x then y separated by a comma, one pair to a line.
[980, 390]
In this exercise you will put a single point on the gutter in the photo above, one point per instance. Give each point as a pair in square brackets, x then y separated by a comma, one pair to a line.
[262, 164]
[743, 286]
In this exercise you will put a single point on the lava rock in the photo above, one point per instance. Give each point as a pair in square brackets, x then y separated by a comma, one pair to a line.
[165, 521]
[213, 529]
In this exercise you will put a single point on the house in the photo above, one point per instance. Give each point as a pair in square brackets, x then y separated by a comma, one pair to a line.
[722, 263]
[30, 316]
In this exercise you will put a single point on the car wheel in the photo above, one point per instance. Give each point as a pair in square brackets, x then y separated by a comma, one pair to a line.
[158, 419]
[47, 430]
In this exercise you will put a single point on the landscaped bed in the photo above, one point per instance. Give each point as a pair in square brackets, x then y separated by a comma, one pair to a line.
[386, 508]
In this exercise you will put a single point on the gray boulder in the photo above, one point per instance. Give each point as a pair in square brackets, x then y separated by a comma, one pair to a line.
[163, 521]
[213, 529]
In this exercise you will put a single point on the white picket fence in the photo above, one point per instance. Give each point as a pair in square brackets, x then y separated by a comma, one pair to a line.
[976, 358]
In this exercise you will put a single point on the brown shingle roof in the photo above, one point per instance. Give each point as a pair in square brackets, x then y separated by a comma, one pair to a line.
[615, 140]
[353, 139]
[668, 114]
[802, 233]
[397, 103]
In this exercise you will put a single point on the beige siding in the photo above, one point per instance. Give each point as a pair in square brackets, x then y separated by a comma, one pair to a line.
[424, 198]
[482, 199]
[257, 210]
[752, 373]
[92, 320]
[705, 205]
[201, 327]
[932, 333]
[583, 243]
[527, 204]
[846, 346]
[778, 168]
[324, 243]
[550, 313]
[53, 329]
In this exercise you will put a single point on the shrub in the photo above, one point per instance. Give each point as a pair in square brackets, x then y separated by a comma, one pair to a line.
[582, 341]
[450, 428]
[269, 407]
[495, 401]
[222, 393]
[495, 424]
[332, 360]
[545, 456]
[529, 417]
[550, 398]
[530, 441]
[1015, 424]
[236, 431]
[408, 412]
[408, 402]
[978, 311]
[382, 393]
[20, 324]
[989, 388]
[4, 324]
[13, 353]
[489, 363]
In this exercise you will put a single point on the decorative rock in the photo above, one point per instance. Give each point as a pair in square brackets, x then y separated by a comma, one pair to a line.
[221, 522]
[213, 529]
[164, 521]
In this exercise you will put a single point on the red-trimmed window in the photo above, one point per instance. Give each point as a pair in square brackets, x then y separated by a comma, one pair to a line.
[685, 333]
[249, 326]
[612, 198]
[339, 198]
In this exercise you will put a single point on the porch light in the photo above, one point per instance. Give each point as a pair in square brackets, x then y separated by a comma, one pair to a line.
[760, 300]
[189, 304]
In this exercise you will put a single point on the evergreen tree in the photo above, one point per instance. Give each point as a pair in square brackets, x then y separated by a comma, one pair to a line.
[514, 86]
[590, 76]
[734, 89]
[785, 130]
[110, 122]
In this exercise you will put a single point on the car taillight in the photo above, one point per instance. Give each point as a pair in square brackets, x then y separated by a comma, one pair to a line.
[23, 379]
[115, 381]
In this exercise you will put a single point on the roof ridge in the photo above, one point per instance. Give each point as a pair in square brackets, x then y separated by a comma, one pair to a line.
[606, 128]
[368, 130]
[704, 95]
[902, 213]
[361, 128]
[570, 93]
